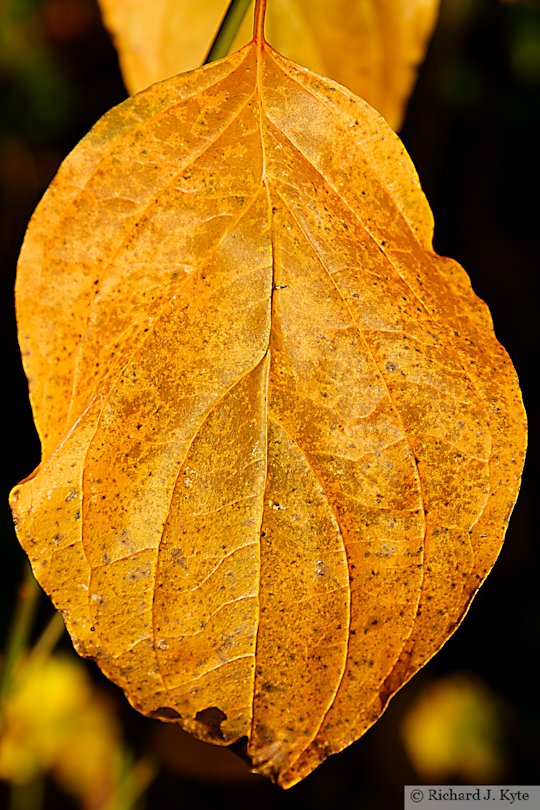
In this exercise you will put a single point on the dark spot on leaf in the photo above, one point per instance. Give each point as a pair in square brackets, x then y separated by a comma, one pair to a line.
[212, 718]
[165, 713]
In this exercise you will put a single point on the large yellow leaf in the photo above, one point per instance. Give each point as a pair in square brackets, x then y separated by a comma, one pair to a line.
[371, 46]
[281, 443]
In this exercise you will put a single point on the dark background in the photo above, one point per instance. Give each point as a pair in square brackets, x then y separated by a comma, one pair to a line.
[473, 131]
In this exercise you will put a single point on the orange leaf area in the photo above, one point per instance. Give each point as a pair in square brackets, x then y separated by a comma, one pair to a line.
[373, 47]
[281, 443]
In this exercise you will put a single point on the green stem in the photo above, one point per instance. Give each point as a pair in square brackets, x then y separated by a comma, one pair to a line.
[134, 780]
[227, 30]
[21, 627]
[47, 641]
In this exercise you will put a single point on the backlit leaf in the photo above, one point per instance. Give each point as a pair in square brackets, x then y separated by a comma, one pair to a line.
[371, 46]
[281, 442]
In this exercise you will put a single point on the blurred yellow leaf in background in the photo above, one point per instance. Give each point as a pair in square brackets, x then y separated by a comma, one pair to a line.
[55, 721]
[373, 47]
[455, 730]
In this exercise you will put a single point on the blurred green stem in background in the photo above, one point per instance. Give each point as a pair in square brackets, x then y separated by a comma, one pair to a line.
[27, 796]
[228, 29]
[21, 660]
[20, 629]
[47, 641]
[133, 783]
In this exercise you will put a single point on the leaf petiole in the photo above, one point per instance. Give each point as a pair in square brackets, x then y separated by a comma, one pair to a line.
[259, 18]
[227, 31]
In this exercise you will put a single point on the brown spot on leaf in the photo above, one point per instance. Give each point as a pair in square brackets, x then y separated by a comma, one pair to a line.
[212, 718]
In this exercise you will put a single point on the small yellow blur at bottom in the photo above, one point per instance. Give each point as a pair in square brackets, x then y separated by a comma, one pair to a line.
[455, 730]
[55, 722]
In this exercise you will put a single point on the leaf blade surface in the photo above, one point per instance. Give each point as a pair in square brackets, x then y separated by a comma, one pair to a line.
[287, 441]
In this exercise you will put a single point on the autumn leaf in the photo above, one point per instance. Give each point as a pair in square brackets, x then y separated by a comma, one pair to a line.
[373, 47]
[281, 442]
